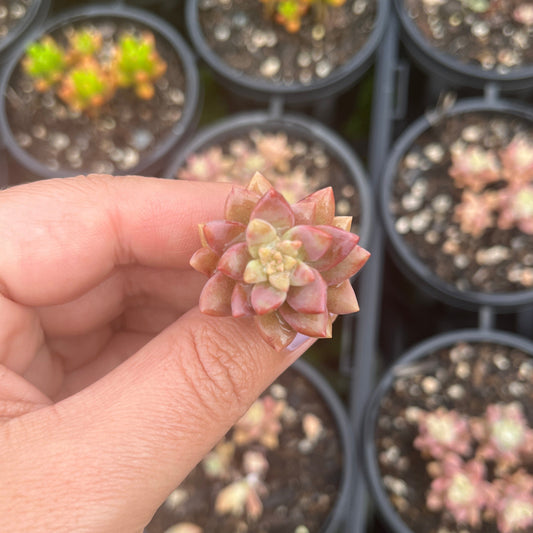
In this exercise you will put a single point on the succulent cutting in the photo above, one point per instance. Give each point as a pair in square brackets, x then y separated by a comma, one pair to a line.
[288, 266]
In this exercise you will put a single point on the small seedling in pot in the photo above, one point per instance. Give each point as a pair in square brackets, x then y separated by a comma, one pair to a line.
[516, 208]
[512, 504]
[504, 436]
[45, 62]
[517, 161]
[83, 43]
[289, 13]
[86, 88]
[286, 266]
[441, 432]
[477, 465]
[475, 212]
[474, 167]
[261, 423]
[461, 489]
[137, 64]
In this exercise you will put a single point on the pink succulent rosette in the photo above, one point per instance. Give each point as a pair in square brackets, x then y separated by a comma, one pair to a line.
[441, 432]
[461, 489]
[512, 502]
[288, 266]
[504, 435]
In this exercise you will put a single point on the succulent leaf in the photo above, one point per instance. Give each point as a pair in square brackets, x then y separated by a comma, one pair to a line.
[315, 242]
[205, 261]
[317, 208]
[234, 261]
[274, 208]
[216, 295]
[341, 245]
[220, 234]
[266, 298]
[275, 330]
[349, 266]
[311, 324]
[341, 299]
[240, 204]
[310, 298]
[240, 301]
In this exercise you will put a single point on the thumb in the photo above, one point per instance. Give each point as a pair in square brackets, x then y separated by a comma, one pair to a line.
[104, 459]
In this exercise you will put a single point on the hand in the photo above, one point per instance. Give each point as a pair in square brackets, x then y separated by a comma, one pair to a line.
[112, 384]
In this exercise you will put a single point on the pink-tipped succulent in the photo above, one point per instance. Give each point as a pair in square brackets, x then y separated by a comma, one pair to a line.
[517, 160]
[474, 167]
[475, 212]
[441, 432]
[461, 489]
[287, 266]
[523, 13]
[513, 503]
[504, 436]
[261, 423]
[242, 497]
[275, 149]
[209, 165]
[516, 208]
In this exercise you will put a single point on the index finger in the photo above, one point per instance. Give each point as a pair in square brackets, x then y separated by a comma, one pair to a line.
[59, 238]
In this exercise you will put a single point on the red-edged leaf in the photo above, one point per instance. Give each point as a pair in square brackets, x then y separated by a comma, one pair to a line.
[215, 298]
[273, 208]
[347, 267]
[221, 234]
[315, 242]
[310, 298]
[274, 330]
[240, 204]
[343, 242]
[240, 301]
[204, 260]
[317, 208]
[313, 325]
[342, 299]
[266, 298]
[302, 275]
[234, 261]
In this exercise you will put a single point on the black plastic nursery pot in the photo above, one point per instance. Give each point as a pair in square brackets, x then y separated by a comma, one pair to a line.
[459, 294]
[334, 518]
[296, 127]
[419, 368]
[153, 146]
[450, 67]
[296, 92]
[34, 16]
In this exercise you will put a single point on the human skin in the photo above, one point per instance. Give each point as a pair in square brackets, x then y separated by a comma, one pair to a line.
[113, 385]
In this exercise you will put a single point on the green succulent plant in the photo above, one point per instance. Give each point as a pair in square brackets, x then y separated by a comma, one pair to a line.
[137, 64]
[45, 62]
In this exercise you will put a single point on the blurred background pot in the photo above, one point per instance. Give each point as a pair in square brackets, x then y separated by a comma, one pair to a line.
[455, 376]
[453, 157]
[136, 137]
[308, 470]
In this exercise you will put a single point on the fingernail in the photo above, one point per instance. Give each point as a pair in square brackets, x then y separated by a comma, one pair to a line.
[298, 341]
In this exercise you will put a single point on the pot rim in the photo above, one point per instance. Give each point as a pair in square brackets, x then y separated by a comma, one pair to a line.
[367, 444]
[38, 9]
[407, 260]
[119, 11]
